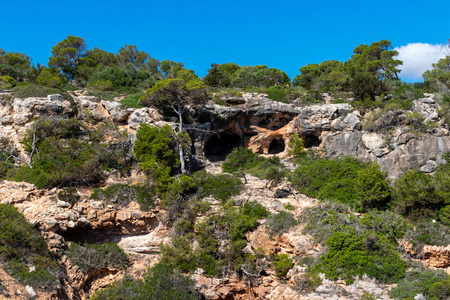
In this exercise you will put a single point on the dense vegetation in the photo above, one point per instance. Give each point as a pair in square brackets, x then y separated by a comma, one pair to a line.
[24, 253]
[160, 282]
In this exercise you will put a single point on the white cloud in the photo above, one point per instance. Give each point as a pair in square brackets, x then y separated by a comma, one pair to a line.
[417, 58]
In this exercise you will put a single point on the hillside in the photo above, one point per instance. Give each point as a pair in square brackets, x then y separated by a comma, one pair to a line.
[303, 215]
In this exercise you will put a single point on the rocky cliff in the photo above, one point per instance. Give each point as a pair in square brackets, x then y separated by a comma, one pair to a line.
[256, 122]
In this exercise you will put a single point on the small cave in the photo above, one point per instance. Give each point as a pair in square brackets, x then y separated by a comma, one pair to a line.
[276, 146]
[91, 236]
[219, 146]
[311, 141]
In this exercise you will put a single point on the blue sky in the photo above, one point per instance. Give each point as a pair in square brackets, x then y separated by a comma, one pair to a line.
[283, 34]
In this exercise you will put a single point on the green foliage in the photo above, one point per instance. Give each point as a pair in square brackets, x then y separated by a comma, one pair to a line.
[154, 149]
[123, 80]
[65, 155]
[229, 227]
[95, 257]
[221, 186]
[416, 122]
[444, 215]
[50, 78]
[383, 119]
[307, 282]
[283, 263]
[7, 82]
[66, 54]
[244, 160]
[295, 146]
[240, 158]
[428, 233]
[221, 75]
[132, 100]
[420, 195]
[345, 180]
[428, 283]
[255, 210]
[69, 195]
[289, 207]
[160, 282]
[259, 76]
[352, 254]
[367, 296]
[281, 222]
[31, 90]
[123, 194]
[373, 187]
[387, 223]
[439, 74]
[22, 246]
[440, 290]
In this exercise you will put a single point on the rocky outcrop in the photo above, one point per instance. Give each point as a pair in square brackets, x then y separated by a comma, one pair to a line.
[437, 256]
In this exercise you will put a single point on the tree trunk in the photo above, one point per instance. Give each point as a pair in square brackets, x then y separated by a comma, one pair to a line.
[180, 147]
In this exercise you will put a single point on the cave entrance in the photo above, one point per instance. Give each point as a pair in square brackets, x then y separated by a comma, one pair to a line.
[311, 141]
[219, 146]
[91, 236]
[276, 146]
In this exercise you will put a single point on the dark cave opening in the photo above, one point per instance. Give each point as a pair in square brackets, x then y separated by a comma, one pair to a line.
[219, 146]
[311, 141]
[91, 236]
[276, 146]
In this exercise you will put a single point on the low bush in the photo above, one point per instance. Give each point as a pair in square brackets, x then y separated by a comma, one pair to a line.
[244, 160]
[279, 223]
[123, 194]
[221, 187]
[307, 282]
[419, 196]
[160, 282]
[31, 90]
[352, 254]
[94, 257]
[69, 195]
[283, 263]
[429, 283]
[22, 246]
[428, 233]
[345, 180]
[132, 100]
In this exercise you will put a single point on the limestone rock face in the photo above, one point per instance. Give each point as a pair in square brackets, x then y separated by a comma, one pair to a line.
[437, 256]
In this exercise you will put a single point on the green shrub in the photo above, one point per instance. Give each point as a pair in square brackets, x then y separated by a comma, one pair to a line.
[240, 158]
[123, 194]
[132, 100]
[94, 257]
[221, 187]
[367, 296]
[418, 196]
[295, 146]
[306, 261]
[352, 254]
[428, 233]
[345, 180]
[160, 282]
[416, 282]
[444, 215]
[22, 246]
[440, 290]
[387, 223]
[67, 153]
[308, 282]
[255, 210]
[280, 222]
[100, 85]
[244, 160]
[289, 207]
[69, 195]
[283, 263]
[31, 90]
